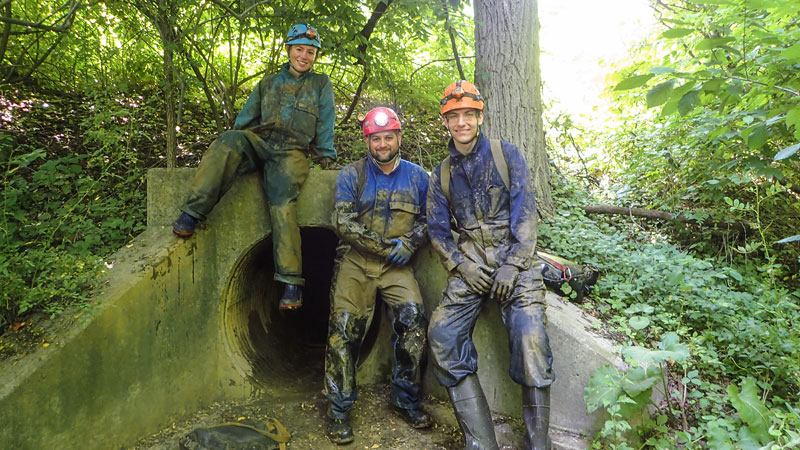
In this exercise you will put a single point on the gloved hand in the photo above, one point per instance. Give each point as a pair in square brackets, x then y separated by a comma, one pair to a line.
[400, 254]
[477, 276]
[504, 279]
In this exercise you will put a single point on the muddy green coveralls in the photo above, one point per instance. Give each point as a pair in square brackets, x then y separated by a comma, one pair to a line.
[372, 208]
[285, 118]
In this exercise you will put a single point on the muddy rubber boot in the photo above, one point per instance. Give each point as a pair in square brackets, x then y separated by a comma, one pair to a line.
[472, 413]
[340, 431]
[292, 297]
[184, 226]
[536, 415]
[417, 418]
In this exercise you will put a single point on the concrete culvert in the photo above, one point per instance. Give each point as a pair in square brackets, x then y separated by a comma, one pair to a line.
[282, 349]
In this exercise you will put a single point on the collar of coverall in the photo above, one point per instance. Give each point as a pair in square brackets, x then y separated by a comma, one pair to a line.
[478, 142]
[378, 165]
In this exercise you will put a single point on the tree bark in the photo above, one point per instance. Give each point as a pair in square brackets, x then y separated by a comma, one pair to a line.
[507, 75]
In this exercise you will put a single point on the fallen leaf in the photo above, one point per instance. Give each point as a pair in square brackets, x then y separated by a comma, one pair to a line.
[46, 344]
[17, 325]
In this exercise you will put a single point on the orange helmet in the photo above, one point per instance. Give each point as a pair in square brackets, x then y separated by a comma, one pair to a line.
[461, 94]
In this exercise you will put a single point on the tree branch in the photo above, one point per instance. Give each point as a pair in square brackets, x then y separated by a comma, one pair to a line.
[411, 79]
[663, 215]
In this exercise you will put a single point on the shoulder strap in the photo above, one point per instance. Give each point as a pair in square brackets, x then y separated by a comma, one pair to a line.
[361, 171]
[444, 177]
[500, 162]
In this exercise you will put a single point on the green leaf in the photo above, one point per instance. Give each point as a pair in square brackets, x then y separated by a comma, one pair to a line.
[660, 93]
[688, 102]
[639, 322]
[787, 152]
[661, 70]
[640, 379]
[633, 82]
[792, 52]
[712, 2]
[794, 238]
[603, 389]
[736, 275]
[713, 85]
[793, 118]
[718, 438]
[750, 408]
[670, 348]
[712, 43]
[757, 137]
[676, 33]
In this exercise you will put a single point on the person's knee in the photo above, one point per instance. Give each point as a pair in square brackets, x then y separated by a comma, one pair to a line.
[411, 316]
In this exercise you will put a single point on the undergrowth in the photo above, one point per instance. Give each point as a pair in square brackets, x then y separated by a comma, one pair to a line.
[735, 321]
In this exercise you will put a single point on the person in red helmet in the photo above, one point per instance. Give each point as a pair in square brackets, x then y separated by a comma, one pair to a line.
[287, 118]
[379, 216]
[484, 187]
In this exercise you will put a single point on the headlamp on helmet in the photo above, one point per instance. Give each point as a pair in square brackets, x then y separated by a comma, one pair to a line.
[379, 119]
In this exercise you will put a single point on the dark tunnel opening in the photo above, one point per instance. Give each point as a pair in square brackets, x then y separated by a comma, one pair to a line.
[277, 348]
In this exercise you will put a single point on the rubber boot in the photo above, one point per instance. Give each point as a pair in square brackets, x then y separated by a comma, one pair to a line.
[292, 297]
[339, 431]
[184, 226]
[472, 413]
[536, 415]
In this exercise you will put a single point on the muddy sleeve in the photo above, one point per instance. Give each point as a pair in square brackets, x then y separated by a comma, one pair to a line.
[250, 115]
[438, 215]
[345, 217]
[322, 145]
[523, 210]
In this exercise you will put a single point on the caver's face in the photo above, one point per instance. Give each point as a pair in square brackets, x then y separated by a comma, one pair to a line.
[383, 145]
[463, 124]
[301, 58]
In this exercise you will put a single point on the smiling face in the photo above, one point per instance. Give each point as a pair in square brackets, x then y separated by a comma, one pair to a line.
[301, 58]
[383, 146]
[463, 126]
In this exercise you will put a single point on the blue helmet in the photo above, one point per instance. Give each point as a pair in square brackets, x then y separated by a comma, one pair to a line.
[303, 34]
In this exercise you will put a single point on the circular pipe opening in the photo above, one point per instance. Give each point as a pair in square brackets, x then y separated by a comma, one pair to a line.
[277, 348]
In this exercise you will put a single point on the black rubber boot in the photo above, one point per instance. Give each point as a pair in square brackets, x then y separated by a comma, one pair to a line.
[340, 431]
[184, 226]
[292, 297]
[536, 415]
[417, 418]
[472, 413]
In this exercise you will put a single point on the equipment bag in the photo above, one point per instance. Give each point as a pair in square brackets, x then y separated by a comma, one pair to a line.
[237, 436]
[566, 278]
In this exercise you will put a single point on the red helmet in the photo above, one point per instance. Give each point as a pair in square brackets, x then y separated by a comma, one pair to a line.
[460, 94]
[380, 119]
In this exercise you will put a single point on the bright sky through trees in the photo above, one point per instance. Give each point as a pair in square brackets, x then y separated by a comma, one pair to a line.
[580, 41]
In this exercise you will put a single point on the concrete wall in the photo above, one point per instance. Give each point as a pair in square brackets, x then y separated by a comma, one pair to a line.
[161, 342]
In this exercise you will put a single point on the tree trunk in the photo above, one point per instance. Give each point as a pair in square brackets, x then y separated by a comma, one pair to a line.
[507, 75]
[165, 25]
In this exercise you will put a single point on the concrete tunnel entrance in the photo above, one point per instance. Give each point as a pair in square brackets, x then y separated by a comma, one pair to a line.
[283, 349]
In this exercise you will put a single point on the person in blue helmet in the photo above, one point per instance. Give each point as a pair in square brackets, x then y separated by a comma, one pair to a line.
[379, 216]
[288, 117]
[483, 191]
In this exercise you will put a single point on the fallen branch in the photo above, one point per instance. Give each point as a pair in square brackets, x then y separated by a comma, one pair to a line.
[664, 215]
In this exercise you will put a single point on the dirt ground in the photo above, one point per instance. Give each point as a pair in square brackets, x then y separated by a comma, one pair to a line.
[303, 414]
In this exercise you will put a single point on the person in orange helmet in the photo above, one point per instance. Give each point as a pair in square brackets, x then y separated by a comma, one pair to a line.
[484, 187]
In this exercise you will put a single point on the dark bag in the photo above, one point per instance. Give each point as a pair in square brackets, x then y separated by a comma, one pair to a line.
[237, 436]
[566, 278]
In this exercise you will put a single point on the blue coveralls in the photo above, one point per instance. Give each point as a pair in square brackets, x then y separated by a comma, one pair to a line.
[495, 227]
[283, 119]
[367, 217]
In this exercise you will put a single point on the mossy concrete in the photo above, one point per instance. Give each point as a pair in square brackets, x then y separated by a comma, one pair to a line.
[159, 342]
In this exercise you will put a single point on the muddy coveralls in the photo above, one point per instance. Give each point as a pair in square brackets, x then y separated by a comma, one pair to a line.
[495, 227]
[372, 208]
[283, 120]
